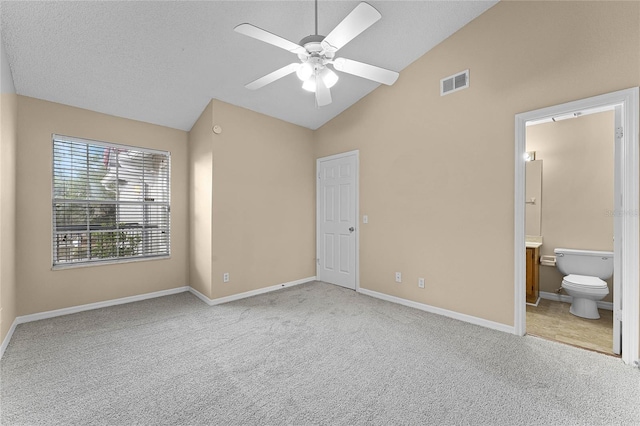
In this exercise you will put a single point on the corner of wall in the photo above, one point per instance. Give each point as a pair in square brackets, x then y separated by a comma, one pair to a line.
[6, 78]
[8, 143]
[200, 167]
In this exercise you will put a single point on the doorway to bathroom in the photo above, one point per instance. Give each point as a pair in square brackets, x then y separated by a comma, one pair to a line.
[569, 175]
[620, 212]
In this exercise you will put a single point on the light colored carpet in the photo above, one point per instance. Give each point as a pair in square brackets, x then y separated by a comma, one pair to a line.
[310, 354]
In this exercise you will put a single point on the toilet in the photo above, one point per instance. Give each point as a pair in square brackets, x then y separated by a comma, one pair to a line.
[584, 272]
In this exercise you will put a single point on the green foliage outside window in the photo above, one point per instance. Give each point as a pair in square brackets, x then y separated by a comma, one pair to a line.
[115, 243]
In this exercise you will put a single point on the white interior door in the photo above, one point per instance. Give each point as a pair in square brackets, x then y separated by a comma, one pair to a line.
[617, 235]
[336, 216]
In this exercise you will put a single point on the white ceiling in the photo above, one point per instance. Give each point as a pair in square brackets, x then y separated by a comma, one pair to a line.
[162, 62]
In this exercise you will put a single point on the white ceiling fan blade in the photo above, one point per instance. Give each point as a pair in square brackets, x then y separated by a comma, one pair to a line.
[370, 72]
[270, 78]
[360, 18]
[323, 94]
[267, 37]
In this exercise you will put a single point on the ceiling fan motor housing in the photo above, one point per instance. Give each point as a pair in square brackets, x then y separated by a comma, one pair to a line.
[316, 55]
[312, 39]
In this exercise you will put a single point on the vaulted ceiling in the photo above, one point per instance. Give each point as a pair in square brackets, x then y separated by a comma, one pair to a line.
[161, 62]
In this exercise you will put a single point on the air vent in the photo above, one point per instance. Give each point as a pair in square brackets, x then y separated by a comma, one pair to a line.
[455, 82]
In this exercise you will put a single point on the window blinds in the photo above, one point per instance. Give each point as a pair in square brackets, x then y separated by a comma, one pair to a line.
[110, 202]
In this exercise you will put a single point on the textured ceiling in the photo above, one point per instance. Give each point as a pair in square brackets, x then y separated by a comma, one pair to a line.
[162, 62]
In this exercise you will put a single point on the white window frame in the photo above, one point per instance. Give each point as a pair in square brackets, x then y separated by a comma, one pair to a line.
[153, 251]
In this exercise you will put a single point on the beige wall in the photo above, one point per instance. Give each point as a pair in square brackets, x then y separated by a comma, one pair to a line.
[437, 173]
[200, 208]
[8, 139]
[263, 199]
[577, 187]
[40, 288]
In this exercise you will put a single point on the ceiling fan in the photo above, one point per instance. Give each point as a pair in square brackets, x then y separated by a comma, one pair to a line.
[317, 52]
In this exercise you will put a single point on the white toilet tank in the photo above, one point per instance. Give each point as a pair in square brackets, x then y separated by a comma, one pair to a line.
[585, 262]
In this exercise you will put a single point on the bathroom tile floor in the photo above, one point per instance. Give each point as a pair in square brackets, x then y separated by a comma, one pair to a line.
[552, 320]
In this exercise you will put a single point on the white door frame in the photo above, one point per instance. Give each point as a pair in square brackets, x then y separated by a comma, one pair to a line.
[357, 197]
[630, 176]
[617, 232]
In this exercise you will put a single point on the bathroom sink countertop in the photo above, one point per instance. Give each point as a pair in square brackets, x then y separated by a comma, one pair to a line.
[533, 241]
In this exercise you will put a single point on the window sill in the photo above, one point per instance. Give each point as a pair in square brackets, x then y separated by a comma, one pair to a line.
[62, 266]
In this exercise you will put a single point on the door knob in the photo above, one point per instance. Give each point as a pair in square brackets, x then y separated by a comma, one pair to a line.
[352, 229]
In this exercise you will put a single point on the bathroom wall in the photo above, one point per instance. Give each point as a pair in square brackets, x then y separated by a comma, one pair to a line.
[577, 186]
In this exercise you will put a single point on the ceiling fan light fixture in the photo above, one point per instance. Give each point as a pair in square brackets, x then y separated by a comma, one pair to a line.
[329, 77]
[309, 85]
[305, 71]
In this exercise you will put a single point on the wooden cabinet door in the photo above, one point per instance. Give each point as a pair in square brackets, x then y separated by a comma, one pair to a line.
[532, 275]
[531, 298]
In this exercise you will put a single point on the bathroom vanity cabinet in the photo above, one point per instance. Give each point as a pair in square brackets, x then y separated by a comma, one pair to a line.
[533, 254]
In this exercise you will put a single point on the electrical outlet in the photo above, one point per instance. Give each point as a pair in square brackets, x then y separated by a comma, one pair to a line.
[398, 277]
[225, 277]
[421, 282]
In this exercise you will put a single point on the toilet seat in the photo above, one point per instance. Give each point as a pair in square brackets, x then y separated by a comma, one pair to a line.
[584, 282]
[585, 286]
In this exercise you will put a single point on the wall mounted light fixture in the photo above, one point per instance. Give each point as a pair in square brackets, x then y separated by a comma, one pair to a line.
[567, 116]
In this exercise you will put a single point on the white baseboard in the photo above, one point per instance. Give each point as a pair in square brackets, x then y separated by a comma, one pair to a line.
[568, 299]
[200, 296]
[97, 305]
[534, 304]
[80, 308]
[7, 338]
[440, 311]
[226, 299]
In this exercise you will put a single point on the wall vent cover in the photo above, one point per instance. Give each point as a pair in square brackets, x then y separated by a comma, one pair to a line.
[455, 82]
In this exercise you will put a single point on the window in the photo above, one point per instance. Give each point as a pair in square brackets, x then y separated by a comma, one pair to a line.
[110, 202]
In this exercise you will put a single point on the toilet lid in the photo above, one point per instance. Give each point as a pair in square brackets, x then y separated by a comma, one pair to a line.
[585, 281]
